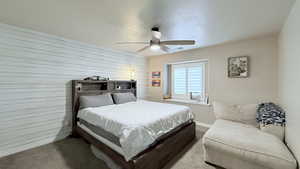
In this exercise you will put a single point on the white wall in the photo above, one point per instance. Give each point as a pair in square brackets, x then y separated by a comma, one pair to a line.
[260, 86]
[289, 77]
[35, 88]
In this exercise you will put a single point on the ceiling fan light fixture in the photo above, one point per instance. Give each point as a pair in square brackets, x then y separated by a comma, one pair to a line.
[155, 47]
[155, 43]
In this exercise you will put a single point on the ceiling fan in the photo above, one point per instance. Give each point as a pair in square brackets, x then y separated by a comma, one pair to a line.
[156, 44]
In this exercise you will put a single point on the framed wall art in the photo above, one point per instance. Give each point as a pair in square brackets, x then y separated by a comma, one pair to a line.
[238, 67]
[155, 83]
[156, 75]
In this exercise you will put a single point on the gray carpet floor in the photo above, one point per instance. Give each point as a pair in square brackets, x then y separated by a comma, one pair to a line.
[74, 153]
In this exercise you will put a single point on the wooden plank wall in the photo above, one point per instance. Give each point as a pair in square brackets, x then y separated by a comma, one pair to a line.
[36, 70]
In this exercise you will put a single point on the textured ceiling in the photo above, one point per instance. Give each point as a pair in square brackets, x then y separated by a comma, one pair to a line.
[105, 22]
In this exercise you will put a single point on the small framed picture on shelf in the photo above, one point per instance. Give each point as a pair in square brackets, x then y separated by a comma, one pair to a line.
[156, 75]
[155, 83]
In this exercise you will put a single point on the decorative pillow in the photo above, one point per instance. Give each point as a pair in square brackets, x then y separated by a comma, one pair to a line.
[120, 98]
[95, 101]
[249, 114]
[271, 118]
[227, 112]
[245, 114]
[270, 113]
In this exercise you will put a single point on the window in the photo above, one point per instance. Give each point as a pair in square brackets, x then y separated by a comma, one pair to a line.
[188, 79]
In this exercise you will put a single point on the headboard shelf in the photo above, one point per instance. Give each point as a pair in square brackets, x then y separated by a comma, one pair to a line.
[89, 87]
[91, 81]
[125, 89]
[93, 91]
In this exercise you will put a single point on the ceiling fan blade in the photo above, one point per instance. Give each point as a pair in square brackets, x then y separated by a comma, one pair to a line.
[144, 48]
[178, 42]
[132, 43]
[164, 48]
[156, 35]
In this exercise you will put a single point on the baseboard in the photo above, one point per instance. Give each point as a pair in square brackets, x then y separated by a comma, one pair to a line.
[43, 141]
[202, 126]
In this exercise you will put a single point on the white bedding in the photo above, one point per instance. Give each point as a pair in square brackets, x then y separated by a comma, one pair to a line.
[137, 124]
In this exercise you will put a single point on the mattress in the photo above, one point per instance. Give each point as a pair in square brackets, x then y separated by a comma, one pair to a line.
[101, 132]
[102, 139]
[137, 125]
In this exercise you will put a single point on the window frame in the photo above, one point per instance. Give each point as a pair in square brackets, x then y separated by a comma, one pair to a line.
[185, 65]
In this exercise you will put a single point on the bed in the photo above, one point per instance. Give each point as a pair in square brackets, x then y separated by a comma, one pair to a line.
[135, 135]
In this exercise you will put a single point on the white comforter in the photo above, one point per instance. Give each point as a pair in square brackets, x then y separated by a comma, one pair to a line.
[137, 124]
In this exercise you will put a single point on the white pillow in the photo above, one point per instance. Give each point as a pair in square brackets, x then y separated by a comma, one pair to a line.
[245, 114]
[227, 112]
[120, 98]
[249, 112]
[95, 101]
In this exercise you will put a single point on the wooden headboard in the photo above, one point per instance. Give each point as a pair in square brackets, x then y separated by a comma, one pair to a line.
[89, 88]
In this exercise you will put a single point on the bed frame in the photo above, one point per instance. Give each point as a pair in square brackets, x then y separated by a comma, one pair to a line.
[157, 155]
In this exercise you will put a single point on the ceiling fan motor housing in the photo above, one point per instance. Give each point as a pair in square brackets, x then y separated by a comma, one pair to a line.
[156, 35]
[156, 29]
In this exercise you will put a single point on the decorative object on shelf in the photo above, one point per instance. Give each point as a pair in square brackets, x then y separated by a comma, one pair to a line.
[199, 97]
[78, 86]
[96, 78]
[156, 83]
[166, 96]
[156, 75]
[118, 87]
[132, 73]
[238, 67]
[206, 99]
[196, 96]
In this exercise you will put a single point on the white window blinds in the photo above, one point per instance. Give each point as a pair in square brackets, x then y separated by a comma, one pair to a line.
[187, 78]
[195, 79]
[180, 81]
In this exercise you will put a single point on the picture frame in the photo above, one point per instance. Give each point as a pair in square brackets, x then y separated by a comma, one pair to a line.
[238, 67]
[156, 75]
[155, 83]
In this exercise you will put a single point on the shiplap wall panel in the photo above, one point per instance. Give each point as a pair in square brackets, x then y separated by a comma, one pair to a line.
[36, 70]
